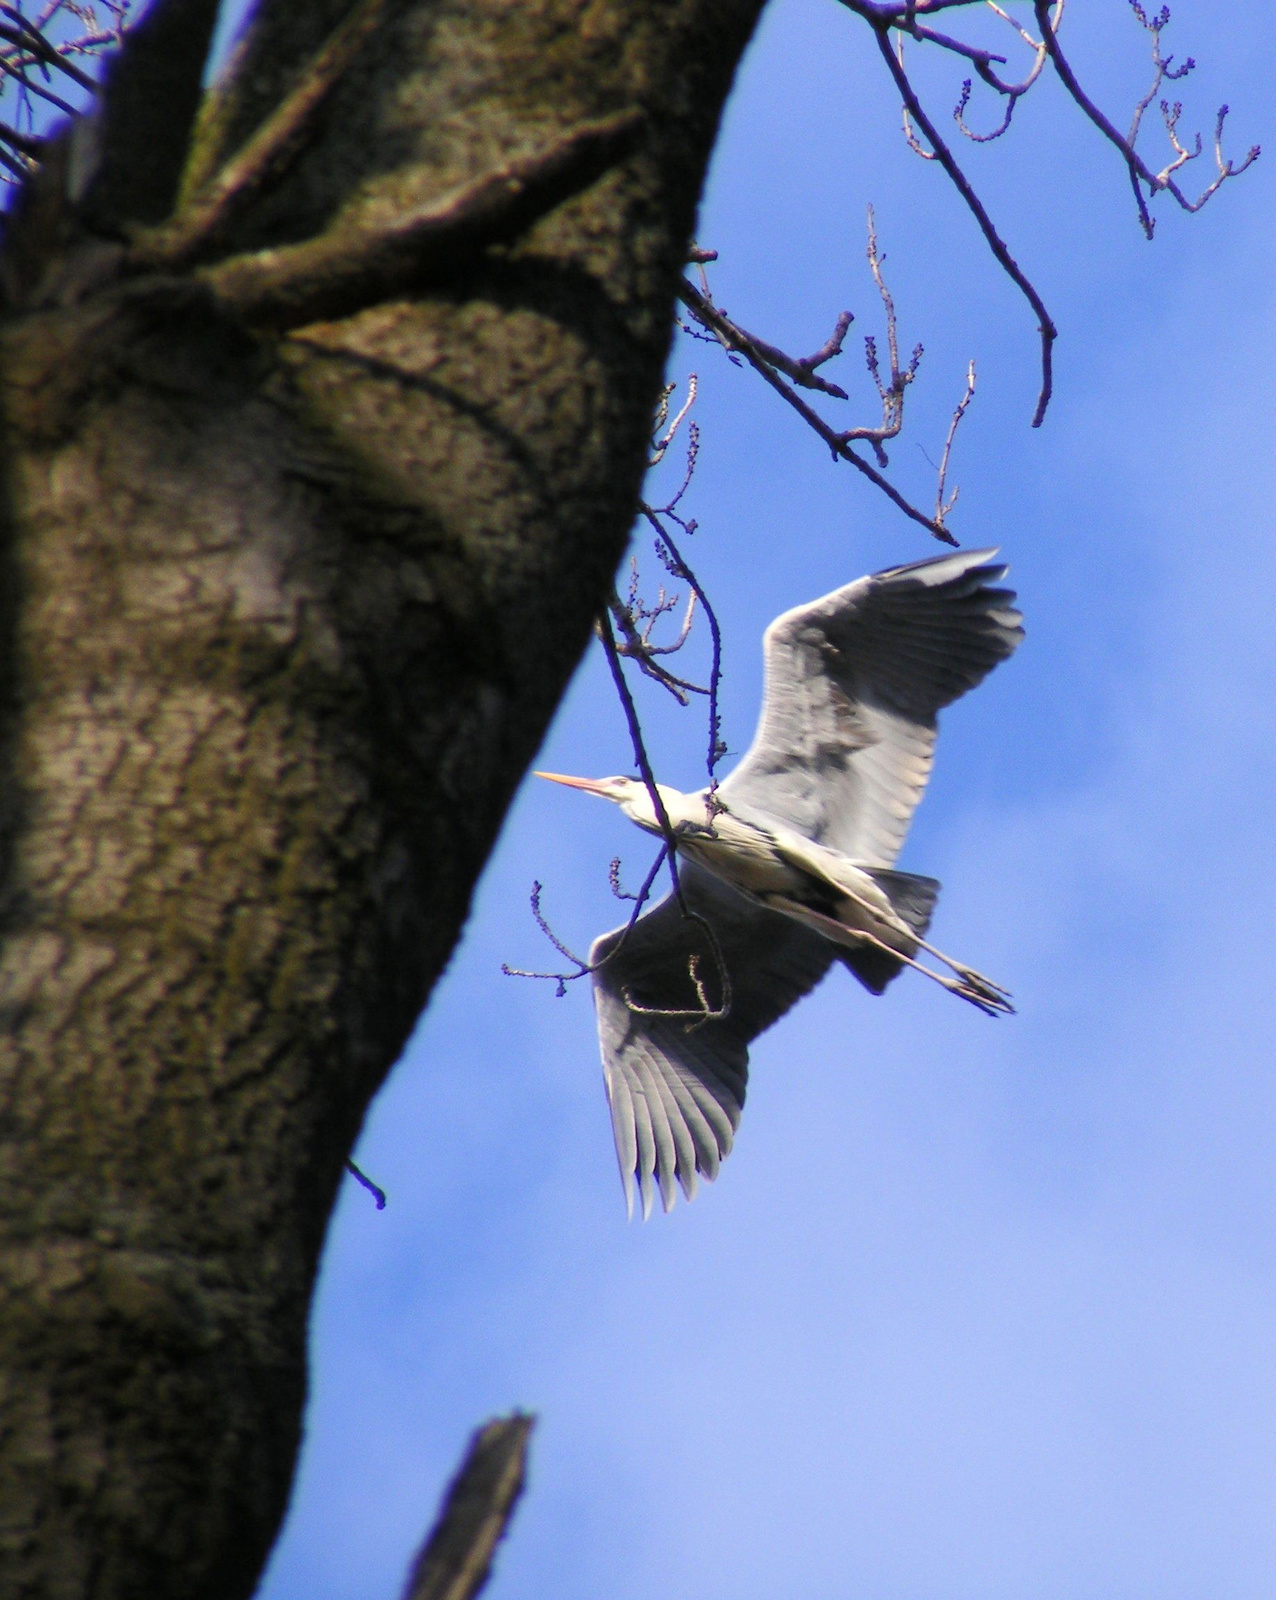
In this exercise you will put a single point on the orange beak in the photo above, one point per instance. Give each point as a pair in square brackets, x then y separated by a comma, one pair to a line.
[589, 785]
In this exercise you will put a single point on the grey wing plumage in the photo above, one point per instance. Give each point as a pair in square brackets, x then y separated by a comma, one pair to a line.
[853, 685]
[676, 1086]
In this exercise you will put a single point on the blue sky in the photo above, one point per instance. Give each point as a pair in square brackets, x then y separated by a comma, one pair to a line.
[977, 1310]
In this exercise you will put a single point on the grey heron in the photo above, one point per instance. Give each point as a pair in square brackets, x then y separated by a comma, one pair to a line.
[789, 866]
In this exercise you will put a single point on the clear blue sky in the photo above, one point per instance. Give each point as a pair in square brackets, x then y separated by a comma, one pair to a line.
[977, 1310]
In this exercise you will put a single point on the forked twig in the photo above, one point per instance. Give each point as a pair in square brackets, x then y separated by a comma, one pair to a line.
[1012, 93]
[892, 393]
[661, 443]
[584, 968]
[734, 339]
[1157, 182]
[1048, 331]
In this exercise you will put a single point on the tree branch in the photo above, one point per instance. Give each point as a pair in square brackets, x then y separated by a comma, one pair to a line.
[345, 271]
[29, 39]
[735, 339]
[996, 244]
[205, 215]
[1137, 167]
[455, 1561]
[147, 107]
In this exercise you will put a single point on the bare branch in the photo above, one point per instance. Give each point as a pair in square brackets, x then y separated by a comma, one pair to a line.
[1157, 182]
[892, 393]
[16, 168]
[733, 338]
[30, 40]
[17, 72]
[695, 1017]
[635, 619]
[996, 244]
[640, 754]
[802, 370]
[21, 142]
[456, 1560]
[906, 121]
[637, 647]
[1011, 92]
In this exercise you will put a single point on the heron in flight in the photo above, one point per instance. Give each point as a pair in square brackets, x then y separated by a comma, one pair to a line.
[789, 865]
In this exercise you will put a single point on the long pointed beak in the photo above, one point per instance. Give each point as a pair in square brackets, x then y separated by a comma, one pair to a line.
[589, 785]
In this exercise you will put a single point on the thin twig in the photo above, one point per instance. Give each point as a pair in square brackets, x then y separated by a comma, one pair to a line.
[942, 506]
[636, 647]
[891, 394]
[17, 73]
[21, 142]
[640, 753]
[1011, 92]
[28, 37]
[704, 1011]
[585, 968]
[661, 445]
[375, 1190]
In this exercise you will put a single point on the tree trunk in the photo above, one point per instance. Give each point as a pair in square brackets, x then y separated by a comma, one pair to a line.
[288, 604]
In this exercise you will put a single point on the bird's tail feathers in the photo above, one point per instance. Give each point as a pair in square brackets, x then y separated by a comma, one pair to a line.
[912, 899]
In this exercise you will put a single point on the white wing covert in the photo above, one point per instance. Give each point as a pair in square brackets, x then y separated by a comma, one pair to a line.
[676, 1085]
[854, 682]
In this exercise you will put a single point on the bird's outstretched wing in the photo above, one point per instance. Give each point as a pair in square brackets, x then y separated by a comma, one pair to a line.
[676, 1083]
[853, 684]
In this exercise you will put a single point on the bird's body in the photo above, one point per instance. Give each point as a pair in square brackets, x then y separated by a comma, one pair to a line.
[765, 859]
[790, 864]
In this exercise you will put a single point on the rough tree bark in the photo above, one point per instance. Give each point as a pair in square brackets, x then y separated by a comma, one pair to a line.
[288, 604]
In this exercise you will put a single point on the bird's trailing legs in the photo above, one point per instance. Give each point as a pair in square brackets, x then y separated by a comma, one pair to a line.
[990, 997]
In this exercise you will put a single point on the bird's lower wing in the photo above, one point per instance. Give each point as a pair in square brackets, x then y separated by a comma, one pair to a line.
[677, 1009]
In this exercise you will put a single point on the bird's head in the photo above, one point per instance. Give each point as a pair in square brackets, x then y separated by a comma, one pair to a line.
[630, 794]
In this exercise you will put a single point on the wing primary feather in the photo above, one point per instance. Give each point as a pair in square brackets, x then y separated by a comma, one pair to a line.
[684, 1146]
[623, 1129]
[646, 1162]
[702, 1135]
[662, 1132]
